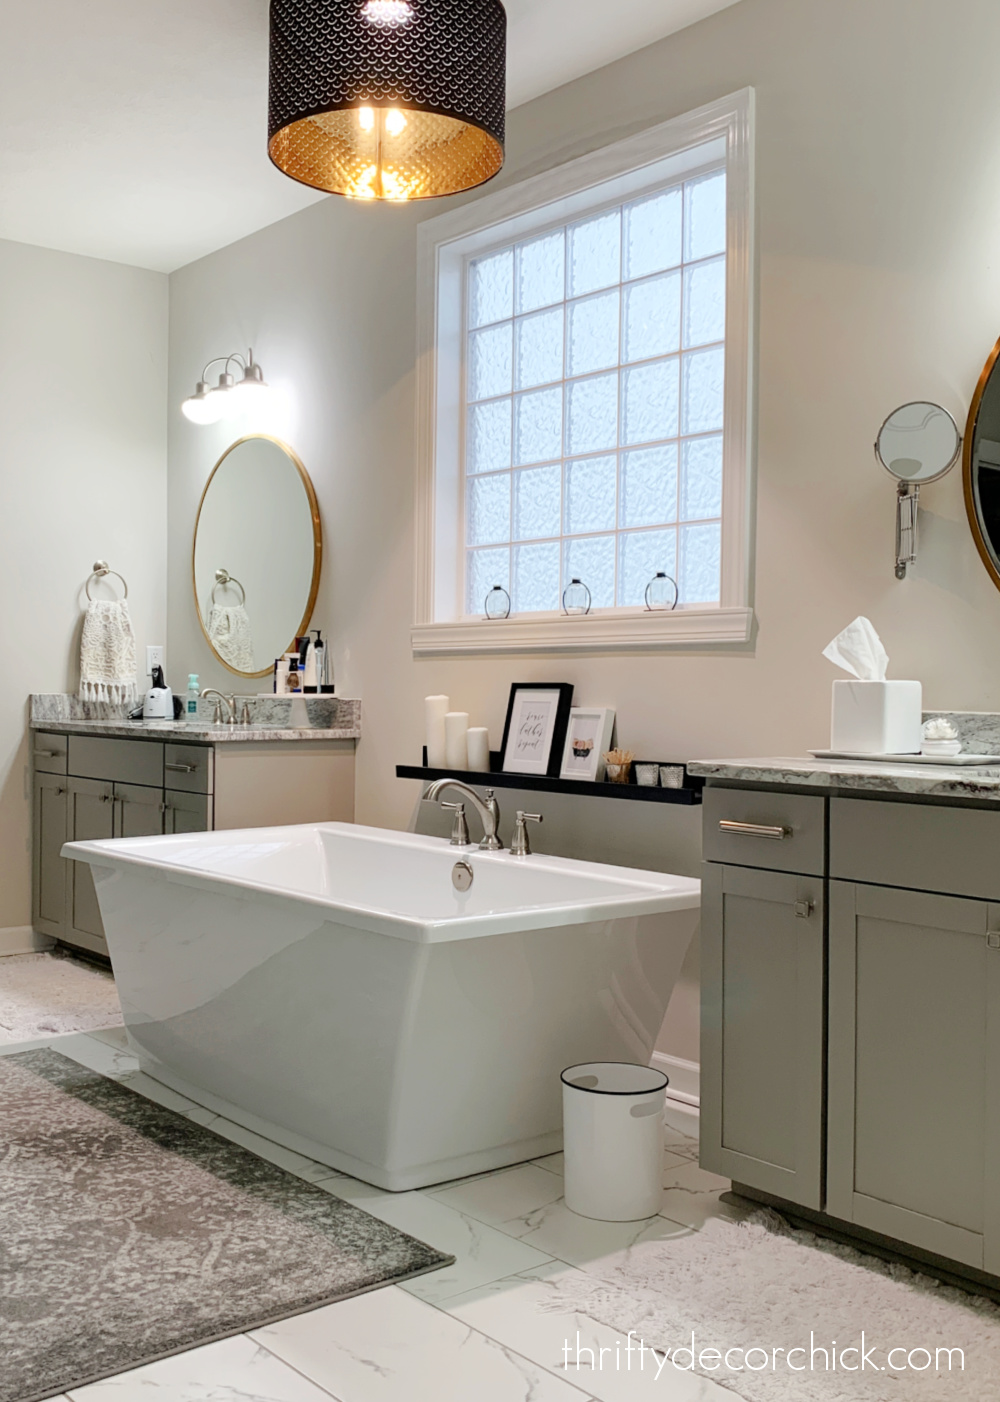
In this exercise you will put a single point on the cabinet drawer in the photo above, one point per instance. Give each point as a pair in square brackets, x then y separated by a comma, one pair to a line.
[49, 752]
[188, 768]
[128, 761]
[775, 831]
[917, 846]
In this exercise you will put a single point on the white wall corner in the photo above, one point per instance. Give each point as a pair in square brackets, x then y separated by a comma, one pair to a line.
[22, 939]
[684, 1077]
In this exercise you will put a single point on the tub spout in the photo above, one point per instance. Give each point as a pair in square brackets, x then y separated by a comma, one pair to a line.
[489, 810]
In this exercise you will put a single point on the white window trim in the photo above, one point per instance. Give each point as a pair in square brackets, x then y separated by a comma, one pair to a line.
[730, 120]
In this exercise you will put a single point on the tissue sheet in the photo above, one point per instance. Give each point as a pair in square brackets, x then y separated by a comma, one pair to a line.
[858, 649]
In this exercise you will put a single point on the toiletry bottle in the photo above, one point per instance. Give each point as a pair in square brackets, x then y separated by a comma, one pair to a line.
[310, 676]
[294, 677]
[280, 676]
[191, 710]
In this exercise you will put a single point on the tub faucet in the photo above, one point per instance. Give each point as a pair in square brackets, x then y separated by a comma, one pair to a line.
[488, 811]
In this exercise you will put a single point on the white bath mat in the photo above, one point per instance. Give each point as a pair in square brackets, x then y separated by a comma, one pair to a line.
[44, 995]
[753, 1282]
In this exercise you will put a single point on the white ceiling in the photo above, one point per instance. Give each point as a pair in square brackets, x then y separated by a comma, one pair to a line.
[136, 131]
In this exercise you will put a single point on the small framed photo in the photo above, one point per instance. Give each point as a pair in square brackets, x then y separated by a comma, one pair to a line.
[535, 730]
[588, 738]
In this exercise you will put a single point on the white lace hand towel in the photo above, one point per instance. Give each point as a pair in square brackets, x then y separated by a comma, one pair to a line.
[230, 634]
[107, 653]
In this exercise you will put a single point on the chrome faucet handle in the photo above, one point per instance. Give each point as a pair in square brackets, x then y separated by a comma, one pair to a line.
[519, 844]
[491, 839]
[245, 717]
[460, 829]
[217, 716]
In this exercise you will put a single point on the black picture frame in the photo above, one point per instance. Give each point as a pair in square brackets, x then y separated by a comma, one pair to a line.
[557, 737]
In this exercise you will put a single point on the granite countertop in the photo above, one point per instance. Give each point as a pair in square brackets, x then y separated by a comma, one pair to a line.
[919, 780]
[277, 719]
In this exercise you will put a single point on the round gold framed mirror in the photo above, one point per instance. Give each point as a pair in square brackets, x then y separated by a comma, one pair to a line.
[981, 466]
[257, 554]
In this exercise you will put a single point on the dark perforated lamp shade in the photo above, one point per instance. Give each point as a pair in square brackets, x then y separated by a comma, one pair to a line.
[388, 99]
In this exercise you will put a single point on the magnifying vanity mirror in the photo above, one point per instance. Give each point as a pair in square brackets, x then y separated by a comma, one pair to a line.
[917, 444]
[981, 466]
[258, 550]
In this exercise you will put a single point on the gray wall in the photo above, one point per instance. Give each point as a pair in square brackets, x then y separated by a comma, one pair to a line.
[83, 475]
[879, 218]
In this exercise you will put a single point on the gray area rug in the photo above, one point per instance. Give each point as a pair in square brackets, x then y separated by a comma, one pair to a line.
[751, 1281]
[130, 1233]
[45, 995]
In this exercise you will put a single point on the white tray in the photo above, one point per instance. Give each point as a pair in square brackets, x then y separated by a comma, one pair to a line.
[952, 761]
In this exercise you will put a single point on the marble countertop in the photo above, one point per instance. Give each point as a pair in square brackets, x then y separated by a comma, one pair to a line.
[273, 719]
[920, 780]
[199, 732]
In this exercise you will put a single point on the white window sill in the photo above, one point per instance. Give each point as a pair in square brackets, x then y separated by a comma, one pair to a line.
[611, 631]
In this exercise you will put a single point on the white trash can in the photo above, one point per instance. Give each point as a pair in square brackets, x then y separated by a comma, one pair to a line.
[613, 1140]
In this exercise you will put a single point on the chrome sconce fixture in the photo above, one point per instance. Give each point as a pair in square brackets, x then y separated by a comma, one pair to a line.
[210, 403]
[388, 99]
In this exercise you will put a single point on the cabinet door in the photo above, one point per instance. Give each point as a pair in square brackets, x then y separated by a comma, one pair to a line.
[762, 1028]
[90, 818]
[49, 868]
[914, 1045]
[138, 811]
[187, 812]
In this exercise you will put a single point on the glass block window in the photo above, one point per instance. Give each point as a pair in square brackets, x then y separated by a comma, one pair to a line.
[594, 375]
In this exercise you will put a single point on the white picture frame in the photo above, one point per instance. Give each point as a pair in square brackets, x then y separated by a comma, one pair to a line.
[588, 738]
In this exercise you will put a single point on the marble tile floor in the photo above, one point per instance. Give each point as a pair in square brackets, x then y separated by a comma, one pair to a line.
[482, 1329]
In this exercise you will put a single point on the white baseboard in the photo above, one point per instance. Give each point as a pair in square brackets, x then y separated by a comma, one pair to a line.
[685, 1078]
[22, 939]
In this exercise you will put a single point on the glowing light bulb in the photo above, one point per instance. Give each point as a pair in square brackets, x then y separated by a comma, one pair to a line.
[395, 122]
[389, 13]
[366, 116]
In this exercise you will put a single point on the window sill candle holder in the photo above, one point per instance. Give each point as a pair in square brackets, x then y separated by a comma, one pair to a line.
[497, 603]
[576, 598]
[662, 593]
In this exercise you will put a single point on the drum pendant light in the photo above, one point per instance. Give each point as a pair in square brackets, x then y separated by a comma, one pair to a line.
[388, 99]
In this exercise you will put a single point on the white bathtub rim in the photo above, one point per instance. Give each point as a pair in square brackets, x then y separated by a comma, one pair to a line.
[666, 893]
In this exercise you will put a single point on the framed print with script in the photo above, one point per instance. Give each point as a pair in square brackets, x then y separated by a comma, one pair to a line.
[535, 729]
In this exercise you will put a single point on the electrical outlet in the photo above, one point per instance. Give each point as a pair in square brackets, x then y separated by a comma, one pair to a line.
[154, 657]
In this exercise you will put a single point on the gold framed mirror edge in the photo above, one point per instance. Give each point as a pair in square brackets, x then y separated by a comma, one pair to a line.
[317, 528]
[968, 484]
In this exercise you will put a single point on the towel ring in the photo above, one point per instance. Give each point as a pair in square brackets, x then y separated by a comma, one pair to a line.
[224, 577]
[101, 570]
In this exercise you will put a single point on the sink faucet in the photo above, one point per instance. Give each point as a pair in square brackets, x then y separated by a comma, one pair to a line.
[228, 701]
[488, 811]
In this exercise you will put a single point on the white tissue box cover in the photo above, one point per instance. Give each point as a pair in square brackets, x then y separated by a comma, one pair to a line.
[877, 718]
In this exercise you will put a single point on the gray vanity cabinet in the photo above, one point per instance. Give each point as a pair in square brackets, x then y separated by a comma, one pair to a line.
[187, 812]
[90, 817]
[914, 1031]
[49, 871]
[88, 787]
[138, 811]
[762, 1030]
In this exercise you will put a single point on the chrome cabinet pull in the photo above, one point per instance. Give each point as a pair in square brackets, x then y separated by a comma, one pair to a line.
[803, 909]
[753, 830]
[182, 768]
[48, 754]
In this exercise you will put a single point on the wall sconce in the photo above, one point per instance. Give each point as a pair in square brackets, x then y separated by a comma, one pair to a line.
[210, 403]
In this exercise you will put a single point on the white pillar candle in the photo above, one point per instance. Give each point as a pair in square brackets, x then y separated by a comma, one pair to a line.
[435, 710]
[456, 740]
[479, 750]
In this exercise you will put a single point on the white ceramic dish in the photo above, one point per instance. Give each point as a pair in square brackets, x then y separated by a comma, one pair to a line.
[950, 761]
[328, 987]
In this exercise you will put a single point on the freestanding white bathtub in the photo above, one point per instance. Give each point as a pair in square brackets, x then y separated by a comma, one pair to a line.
[329, 987]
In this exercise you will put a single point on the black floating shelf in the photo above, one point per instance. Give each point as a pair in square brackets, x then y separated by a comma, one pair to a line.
[497, 779]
